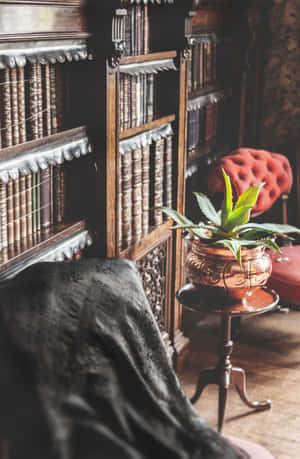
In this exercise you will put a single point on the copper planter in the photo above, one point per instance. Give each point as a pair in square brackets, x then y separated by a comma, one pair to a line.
[216, 269]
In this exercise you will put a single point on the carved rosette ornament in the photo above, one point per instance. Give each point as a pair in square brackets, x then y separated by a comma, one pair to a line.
[153, 270]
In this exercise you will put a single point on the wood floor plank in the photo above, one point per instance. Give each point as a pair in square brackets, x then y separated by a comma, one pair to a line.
[269, 351]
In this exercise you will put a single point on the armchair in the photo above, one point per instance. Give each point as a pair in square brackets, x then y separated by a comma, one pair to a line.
[247, 167]
[85, 374]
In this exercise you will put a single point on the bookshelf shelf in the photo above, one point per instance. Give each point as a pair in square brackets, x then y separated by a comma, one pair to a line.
[140, 248]
[148, 57]
[28, 251]
[145, 127]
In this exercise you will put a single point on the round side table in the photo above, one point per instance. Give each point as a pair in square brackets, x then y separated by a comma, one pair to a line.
[224, 374]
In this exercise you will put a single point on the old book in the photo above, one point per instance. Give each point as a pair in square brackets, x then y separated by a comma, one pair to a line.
[47, 100]
[133, 101]
[16, 210]
[21, 104]
[196, 65]
[201, 125]
[126, 173]
[138, 28]
[137, 194]
[168, 176]
[29, 209]
[128, 33]
[209, 122]
[145, 188]
[138, 100]
[121, 102]
[126, 102]
[34, 202]
[53, 98]
[119, 222]
[7, 137]
[208, 62]
[146, 30]
[214, 62]
[59, 81]
[59, 193]
[10, 212]
[150, 97]
[133, 32]
[158, 185]
[3, 214]
[14, 106]
[23, 210]
[45, 198]
[145, 99]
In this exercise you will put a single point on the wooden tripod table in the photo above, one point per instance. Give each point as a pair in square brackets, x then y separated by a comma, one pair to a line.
[224, 374]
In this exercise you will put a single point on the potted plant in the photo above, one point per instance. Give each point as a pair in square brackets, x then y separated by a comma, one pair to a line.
[227, 252]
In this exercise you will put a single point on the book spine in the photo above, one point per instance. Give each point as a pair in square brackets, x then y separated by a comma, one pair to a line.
[137, 194]
[146, 30]
[45, 197]
[23, 225]
[59, 183]
[128, 47]
[133, 40]
[34, 202]
[209, 122]
[14, 106]
[208, 71]
[126, 102]
[145, 188]
[158, 181]
[168, 189]
[3, 214]
[196, 65]
[214, 62]
[59, 96]
[126, 171]
[7, 138]
[10, 212]
[47, 101]
[16, 210]
[150, 97]
[121, 102]
[142, 99]
[29, 209]
[145, 99]
[138, 100]
[133, 101]
[53, 98]
[138, 28]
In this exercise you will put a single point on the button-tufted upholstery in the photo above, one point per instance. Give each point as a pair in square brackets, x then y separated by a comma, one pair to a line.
[247, 167]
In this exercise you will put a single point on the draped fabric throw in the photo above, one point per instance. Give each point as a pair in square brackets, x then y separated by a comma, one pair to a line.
[85, 373]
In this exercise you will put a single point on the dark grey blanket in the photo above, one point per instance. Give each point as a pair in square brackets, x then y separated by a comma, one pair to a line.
[85, 374]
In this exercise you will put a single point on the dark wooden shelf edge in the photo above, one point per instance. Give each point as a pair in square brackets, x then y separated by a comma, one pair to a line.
[212, 147]
[148, 57]
[59, 233]
[149, 241]
[146, 127]
[15, 150]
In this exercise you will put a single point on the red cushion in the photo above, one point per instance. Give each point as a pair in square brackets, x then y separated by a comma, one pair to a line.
[285, 277]
[249, 450]
[247, 167]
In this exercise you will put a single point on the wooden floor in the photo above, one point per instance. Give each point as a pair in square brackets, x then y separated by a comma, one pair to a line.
[269, 351]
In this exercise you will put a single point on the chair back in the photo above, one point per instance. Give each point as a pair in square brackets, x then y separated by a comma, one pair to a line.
[247, 167]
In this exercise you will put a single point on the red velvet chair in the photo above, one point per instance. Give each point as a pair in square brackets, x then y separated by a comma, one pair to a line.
[247, 167]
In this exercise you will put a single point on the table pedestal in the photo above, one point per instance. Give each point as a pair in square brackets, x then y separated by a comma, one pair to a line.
[224, 374]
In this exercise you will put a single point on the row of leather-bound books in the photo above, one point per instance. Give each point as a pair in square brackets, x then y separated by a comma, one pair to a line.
[202, 125]
[137, 102]
[137, 30]
[31, 108]
[145, 184]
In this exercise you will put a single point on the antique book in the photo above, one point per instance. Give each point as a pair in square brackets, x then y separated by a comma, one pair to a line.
[209, 122]
[126, 102]
[34, 201]
[126, 173]
[208, 64]
[145, 188]
[3, 214]
[23, 224]
[157, 192]
[45, 199]
[146, 30]
[10, 212]
[136, 194]
[7, 137]
[16, 210]
[138, 100]
[133, 100]
[150, 97]
[121, 102]
[168, 176]
[29, 207]
[201, 64]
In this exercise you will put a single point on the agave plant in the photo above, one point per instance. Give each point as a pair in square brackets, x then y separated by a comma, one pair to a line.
[230, 227]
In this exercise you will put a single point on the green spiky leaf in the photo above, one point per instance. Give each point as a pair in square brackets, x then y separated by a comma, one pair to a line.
[249, 197]
[238, 217]
[227, 201]
[207, 208]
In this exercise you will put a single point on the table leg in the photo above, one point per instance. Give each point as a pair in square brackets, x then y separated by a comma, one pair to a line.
[207, 376]
[238, 376]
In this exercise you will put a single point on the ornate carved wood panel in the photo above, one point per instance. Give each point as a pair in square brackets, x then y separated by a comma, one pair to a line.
[153, 268]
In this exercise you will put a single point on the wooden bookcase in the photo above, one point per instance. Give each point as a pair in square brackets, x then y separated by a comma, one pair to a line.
[96, 103]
